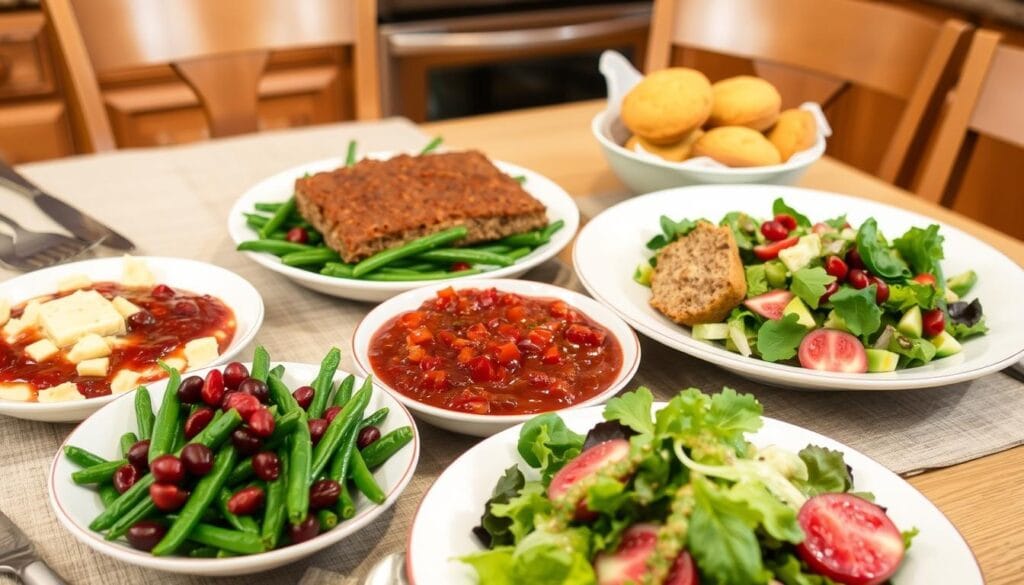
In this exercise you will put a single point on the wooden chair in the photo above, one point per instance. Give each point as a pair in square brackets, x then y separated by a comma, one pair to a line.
[880, 47]
[987, 101]
[218, 48]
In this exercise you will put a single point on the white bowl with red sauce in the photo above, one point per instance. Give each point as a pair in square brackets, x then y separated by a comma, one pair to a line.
[185, 277]
[481, 356]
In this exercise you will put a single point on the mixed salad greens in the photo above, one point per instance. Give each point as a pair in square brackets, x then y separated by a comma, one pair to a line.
[836, 297]
[679, 497]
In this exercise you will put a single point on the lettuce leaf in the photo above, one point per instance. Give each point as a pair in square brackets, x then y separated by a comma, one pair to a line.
[922, 249]
[857, 309]
[494, 530]
[722, 538]
[744, 229]
[632, 409]
[545, 443]
[876, 253]
[542, 558]
[810, 283]
[713, 426]
[757, 280]
[827, 472]
[778, 339]
[905, 296]
[779, 206]
[778, 519]
[791, 571]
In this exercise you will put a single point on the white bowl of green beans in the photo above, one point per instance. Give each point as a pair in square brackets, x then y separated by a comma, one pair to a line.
[435, 258]
[203, 537]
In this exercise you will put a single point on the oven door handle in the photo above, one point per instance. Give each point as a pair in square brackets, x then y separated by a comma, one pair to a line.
[451, 43]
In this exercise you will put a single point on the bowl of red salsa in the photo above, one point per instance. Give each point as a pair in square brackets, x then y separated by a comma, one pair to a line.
[489, 354]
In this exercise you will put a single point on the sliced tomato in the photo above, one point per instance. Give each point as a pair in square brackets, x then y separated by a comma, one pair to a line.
[849, 539]
[683, 571]
[628, 564]
[832, 350]
[770, 304]
[926, 278]
[482, 369]
[584, 465]
[583, 335]
[771, 251]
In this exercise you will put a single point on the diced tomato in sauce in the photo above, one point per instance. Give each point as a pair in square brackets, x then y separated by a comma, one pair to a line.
[484, 351]
[180, 316]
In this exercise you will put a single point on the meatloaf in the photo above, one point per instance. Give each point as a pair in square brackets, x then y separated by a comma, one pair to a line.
[379, 204]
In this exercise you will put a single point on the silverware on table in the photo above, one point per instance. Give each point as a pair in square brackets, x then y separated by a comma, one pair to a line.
[29, 250]
[75, 221]
[388, 571]
[18, 557]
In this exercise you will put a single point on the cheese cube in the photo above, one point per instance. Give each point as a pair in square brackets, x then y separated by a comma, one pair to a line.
[68, 319]
[200, 352]
[177, 363]
[136, 273]
[73, 282]
[5, 311]
[93, 367]
[89, 347]
[13, 328]
[125, 307]
[62, 393]
[124, 381]
[799, 256]
[30, 315]
[41, 350]
[16, 391]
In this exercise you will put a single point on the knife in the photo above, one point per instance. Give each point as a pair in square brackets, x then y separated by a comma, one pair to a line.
[17, 557]
[75, 221]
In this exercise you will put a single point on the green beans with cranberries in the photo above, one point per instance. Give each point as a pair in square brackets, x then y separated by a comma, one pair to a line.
[300, 459]
[378, 277]
[260, 364]
[467, 255]
[274, 510]
[127, 440]
[364, 480]
[99, 473]
[275, 247]
[323, 383]
[225, 539]
[312, 257]
[413, 248]
[349, 417]
[379, 451]
[143, 413]
[165, 426]
[344, 392]
[375, 418]
[81, 457]
[279, 217]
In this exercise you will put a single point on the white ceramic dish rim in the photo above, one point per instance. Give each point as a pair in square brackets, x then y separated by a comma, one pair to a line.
[240, 232]
[813, 436]
[599, 122]
[522, 287]
[272, 558]
[784, 372]
[238, 343]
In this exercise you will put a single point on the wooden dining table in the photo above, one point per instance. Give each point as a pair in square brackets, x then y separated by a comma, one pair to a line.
[984, 498]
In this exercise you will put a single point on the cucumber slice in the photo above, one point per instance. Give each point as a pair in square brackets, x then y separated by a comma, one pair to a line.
[803, 314]
[738, 337]
[962, 283]
[834, 321]
[945, 345]
[910, 322]
[882, 360]
[642, 274]
[775, 273]
[710, 331]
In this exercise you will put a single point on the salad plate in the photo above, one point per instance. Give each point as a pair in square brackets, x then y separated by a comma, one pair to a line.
[615, 243]
[442, 535]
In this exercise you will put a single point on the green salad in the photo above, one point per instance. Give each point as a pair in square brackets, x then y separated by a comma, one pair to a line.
[836, 297]
[679, 497]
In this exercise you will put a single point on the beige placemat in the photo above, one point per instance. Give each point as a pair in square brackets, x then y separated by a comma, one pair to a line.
[174, 202]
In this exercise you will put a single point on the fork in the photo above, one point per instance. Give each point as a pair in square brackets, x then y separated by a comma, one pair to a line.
[29, 250]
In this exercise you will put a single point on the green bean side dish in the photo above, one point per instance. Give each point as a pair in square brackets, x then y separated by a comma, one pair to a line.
[260, 466]
[286, 234]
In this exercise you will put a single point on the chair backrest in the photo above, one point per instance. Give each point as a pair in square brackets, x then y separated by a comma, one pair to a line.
[880, 47]
[986, 101]
[218, 48]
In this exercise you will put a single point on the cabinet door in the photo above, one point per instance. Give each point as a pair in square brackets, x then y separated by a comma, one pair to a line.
[34, 131]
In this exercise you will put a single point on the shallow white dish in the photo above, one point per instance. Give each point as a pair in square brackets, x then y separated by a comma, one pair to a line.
[279, 187]
[76, 506]
[611, 246]
[646, 173]
[482, 425]
[441, 529]
[191, 275]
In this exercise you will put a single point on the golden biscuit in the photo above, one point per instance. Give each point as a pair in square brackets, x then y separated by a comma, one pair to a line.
[745, 101]
[667, 104]
[675, 152]
[737, 146]
[796, 130]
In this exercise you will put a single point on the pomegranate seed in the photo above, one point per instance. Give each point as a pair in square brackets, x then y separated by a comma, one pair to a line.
[858, 278]
[140, 320]
[297, 235]
[304, 396]
[305, 530]
[198, 459]
[245, 404]
[125, 477]
[331, 412]
[933, 322]
[261, 422]
[266, 465]
[246, 501]
[854, 260]
[257, 388]
[835, 266]
[162, 291]
[881, 290]
[190, 391]
[829, 291]
[245, 441]
[197, 421]
[213, 388]
[234, 373]
[317, 428]
[145, 534]
[167, 496]
[457, 266]
[787, 221]
[138, 455]
[167, 469]
[367, 436]
[774, 230]
[324, 493]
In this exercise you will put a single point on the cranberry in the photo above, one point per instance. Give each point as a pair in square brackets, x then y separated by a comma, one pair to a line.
[245, 404]
[162, 291]
[835, 266]
[829, 291]
[246, 501]
[255, 387]
[324, 493]
[774, 230]
[854, 260]
[167, 496]
[367, 436]
[858, 278]
[125, 477]
[304, 396]
[787, 221]
[297, 235]
[457, 266]
[331, 412]
[245, 441]
[933, 322]
[198, 459]
[140, 320]
[197, 421]
[881, 290]
[317, 427]
[266, 465]
[234, 373]
[145, 534]
[186, 308]
[305, 530]
[213, 388]
[190, 391]
[261, 422]
[167, 469]
[138, 455]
